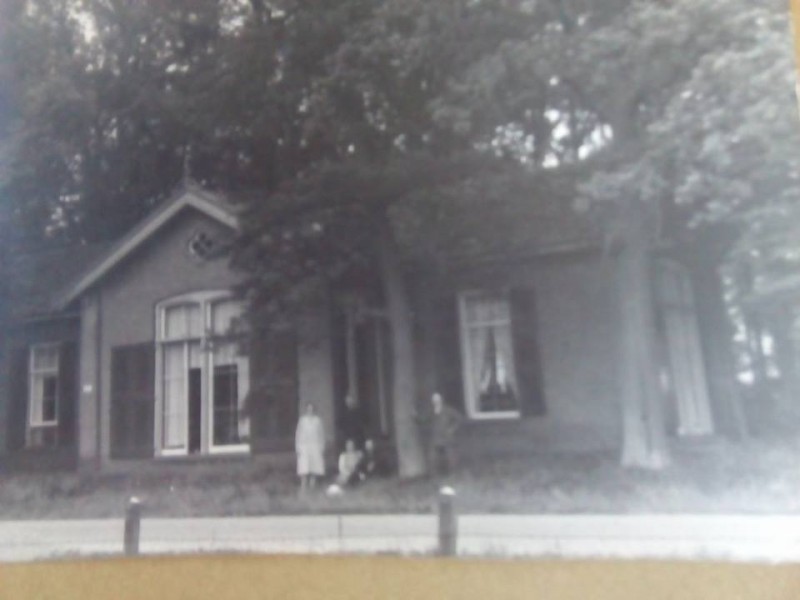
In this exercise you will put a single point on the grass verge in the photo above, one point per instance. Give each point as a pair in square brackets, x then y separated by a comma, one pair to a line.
[759, 476]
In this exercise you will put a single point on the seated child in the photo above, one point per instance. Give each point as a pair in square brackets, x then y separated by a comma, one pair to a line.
[368, 467]
[349, 461]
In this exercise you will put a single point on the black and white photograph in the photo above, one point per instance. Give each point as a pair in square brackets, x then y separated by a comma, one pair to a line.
[459, 278]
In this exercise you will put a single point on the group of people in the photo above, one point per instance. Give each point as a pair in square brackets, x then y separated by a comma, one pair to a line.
[440, 424]
[354, 465]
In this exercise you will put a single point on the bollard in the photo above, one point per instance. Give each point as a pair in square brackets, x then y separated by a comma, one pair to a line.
[133, 521]
[448, 522]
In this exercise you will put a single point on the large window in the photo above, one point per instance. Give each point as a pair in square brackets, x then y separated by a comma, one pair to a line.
[43, 395]
[487, 349]
[202, 378]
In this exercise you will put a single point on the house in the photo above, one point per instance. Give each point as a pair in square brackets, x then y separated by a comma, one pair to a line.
[131, 352]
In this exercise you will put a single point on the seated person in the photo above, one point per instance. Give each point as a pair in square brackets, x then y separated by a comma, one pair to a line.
[368, 467]
[349, 460]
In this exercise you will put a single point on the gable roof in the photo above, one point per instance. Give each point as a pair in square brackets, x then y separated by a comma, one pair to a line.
[497, 217]
[189, 195]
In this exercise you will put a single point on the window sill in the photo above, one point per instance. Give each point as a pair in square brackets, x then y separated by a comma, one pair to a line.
[498, 416]
[233, 451]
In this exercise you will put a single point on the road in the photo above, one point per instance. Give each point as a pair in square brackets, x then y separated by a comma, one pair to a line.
[735, 537]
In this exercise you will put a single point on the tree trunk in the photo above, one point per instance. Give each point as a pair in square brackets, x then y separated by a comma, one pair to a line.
[644, 443]
[758, 358]
[788, 408]
[716, 332]
[410, 453]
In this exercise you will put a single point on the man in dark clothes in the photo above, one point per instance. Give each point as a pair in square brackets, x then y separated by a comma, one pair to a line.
[442, 424]
[369, 466]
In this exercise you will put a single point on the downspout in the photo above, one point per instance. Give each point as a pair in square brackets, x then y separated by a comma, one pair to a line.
[98, 380]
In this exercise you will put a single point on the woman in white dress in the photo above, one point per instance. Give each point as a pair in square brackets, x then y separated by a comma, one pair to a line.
[309, 443]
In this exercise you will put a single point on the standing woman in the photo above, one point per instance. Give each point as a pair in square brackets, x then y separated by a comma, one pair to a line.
[309, 443]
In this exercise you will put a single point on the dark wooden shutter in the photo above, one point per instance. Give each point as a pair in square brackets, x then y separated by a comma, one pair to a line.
[132, 401]
[286, 384]
[256, 402]
[67, 392]
[449, 374]
[17, 398]
[526, 349]
[273, 399]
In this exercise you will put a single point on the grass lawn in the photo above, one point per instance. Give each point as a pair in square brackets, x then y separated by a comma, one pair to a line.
[758, 476]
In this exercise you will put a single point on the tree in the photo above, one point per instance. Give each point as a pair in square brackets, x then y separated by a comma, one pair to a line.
[103, 89]
[681, 126]
[720, 155]
[369, 105]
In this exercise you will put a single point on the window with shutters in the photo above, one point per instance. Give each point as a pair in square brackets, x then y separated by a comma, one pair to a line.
[487, 351]
[202, 378]
[43, 392]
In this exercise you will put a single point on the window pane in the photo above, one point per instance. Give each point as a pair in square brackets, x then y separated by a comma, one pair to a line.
[225, 353]
[195, 355]
[486, 308]
[223, 315]
[226, 405]
[231, 425]
[43, 399]
[175, 322]
[49, 398]
[183, 321]
[195, 319]
[491, 374]
[498, 386]
[174, 423]
[37, 393]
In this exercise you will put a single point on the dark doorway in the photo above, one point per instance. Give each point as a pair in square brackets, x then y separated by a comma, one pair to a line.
[195, 409]
[362, 373]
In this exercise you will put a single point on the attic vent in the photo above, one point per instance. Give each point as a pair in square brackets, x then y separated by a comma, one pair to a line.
[202, 245]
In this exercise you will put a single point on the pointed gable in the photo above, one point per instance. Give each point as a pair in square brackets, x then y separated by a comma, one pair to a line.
[189, 197]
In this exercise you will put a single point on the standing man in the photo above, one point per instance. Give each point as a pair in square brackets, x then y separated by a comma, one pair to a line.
[442, 424]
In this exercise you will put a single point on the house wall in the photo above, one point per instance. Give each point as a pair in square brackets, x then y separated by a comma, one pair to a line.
[315, 358]
[579, 328]
[18, 340]
[123, 308]
[578, 336]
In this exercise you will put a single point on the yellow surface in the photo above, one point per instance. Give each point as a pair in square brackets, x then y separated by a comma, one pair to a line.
[256, 577]
[796, 28]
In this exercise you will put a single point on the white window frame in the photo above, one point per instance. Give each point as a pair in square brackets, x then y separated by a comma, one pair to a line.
[206, 301]
[470, 393]
[33, 372]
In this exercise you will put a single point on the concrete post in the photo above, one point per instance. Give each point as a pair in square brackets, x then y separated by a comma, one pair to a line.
[448, 522]
[133, 520]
